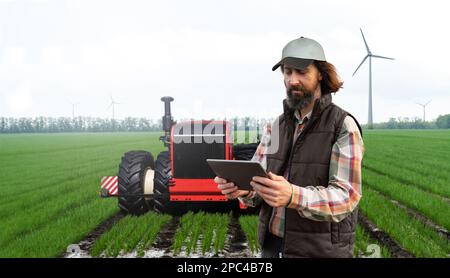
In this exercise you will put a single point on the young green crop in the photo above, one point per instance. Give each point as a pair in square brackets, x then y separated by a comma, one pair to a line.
[408, 232]
[249, 225]
[433, 207]
[49, 179]
[182, 232]
[131, 233]
[195, 231]
[211, 228]
[416, 158]
[50, 186]
[156, 222]
[221, 232]
[412, 178]
[363, 241]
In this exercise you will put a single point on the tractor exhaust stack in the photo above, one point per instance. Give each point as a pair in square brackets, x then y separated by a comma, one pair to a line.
[167, 120]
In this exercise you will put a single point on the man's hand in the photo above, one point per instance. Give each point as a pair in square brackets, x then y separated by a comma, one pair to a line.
[229, 189]
[275, 190]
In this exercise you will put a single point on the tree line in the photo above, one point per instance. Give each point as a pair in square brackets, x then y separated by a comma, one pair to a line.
[443, 121]
[92, 124]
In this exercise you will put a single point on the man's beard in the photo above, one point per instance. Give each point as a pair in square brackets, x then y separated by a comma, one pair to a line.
[299, 101]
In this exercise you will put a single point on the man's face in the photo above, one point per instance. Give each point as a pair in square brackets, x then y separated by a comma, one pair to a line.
[301, 85]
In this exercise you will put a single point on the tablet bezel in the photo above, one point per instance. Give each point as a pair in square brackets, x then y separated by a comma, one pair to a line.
[226, 169]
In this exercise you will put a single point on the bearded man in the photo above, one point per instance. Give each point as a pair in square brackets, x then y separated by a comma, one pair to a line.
[309, 201]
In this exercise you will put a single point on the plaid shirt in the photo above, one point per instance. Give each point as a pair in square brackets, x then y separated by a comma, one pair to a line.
[321, 203]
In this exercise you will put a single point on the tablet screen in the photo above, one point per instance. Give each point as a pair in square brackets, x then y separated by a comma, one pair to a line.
[240, 172]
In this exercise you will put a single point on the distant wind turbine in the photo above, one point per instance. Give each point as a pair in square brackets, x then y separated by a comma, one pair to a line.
[113, 103]
[369, 55]
[423, 105]
[73, 107]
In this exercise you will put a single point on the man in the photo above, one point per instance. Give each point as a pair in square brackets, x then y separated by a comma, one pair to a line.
[309, 202]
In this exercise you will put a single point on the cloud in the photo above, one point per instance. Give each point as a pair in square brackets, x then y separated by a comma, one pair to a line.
[218, 53]
[13, 55]
[20, 101]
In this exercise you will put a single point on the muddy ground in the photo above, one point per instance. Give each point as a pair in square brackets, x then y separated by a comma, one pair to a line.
[236, 245]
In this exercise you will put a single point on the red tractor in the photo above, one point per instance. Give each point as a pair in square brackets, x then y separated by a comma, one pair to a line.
[180, 179]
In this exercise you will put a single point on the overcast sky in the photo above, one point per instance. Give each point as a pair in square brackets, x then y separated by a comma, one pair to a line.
[215, 57]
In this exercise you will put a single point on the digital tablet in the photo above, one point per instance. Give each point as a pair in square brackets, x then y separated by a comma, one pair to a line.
[240, 172]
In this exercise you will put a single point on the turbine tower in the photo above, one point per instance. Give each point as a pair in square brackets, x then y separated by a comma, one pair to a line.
[73, 108]
[113, 103]
[369, 55]
[423, 105]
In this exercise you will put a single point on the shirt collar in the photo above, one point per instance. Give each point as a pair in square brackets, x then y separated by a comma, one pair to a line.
[299, 119]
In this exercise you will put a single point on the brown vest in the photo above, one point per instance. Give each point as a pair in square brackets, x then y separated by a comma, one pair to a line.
[309, 165]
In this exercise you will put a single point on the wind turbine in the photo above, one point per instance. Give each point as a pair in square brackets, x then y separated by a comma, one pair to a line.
[73, 107]
[423, 105]
[113, 103]
[369, 55]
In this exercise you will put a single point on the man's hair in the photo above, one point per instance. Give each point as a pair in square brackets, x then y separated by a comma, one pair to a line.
[331, 82]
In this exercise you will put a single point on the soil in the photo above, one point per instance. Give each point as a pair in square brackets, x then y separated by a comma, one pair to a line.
[235, 247]
[396, 250]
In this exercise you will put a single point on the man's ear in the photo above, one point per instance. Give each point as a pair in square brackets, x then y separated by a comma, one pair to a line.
[320, 76]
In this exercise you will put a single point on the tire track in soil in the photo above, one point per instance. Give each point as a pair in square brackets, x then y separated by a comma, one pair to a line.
[237, 245]
[165, 237]
[417, 215]
[396, 250]
[86, 244]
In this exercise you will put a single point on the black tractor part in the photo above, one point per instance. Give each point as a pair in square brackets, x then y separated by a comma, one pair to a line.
[132, 171]
[161, 196]
[244, 151]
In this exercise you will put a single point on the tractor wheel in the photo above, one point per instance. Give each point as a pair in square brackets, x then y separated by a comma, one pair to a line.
[132, 173]
[161, 184]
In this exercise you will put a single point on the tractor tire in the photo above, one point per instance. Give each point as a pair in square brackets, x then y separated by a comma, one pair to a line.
[132, 172]
[161, 196]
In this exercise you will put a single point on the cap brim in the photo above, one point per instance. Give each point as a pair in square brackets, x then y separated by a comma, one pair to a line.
[296, 63]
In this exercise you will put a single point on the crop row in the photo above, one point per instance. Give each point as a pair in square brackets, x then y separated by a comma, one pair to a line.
[410, 233]
[56, 181]
[131, 233]
[412, 178]
[211, 228]
[249, 225]
[431, 206]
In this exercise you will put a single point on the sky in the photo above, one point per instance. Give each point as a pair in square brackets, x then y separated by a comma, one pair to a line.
[215, 57]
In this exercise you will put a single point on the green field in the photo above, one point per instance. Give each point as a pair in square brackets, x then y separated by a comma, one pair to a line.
[131, 233]
[50, 183]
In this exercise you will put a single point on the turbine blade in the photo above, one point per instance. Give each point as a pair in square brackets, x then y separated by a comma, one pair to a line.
[382, 57]
[360, 64]
[428, 102]
[367, 47]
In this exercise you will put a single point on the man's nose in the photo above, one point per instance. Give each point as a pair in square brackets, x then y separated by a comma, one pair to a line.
[294, 80]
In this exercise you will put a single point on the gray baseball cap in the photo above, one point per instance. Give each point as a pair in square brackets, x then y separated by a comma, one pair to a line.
[300, 53]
